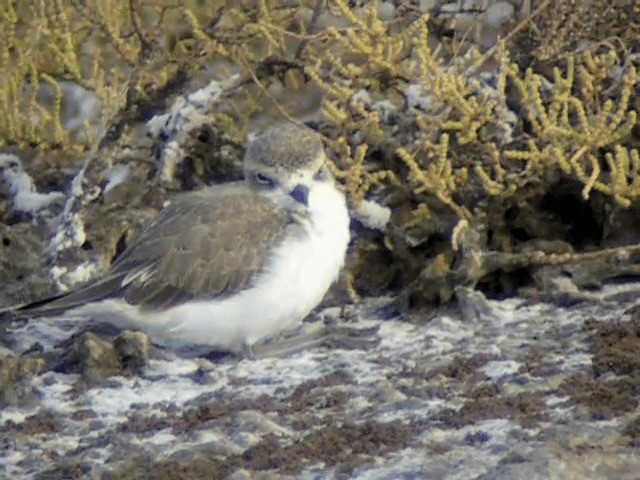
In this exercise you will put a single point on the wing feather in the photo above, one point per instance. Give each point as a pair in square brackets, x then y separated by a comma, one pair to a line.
[205, 244]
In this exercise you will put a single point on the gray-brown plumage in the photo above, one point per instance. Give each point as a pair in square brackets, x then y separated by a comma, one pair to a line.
[302, 147]
[232, 264]
[205, 244]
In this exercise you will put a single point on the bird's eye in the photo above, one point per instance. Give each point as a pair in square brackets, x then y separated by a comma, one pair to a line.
[264, 181]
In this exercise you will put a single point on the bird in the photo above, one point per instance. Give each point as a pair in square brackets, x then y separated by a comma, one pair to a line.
[230, 265]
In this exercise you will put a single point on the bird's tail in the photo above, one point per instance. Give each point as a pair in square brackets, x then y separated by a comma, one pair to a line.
[58, 304]
[39, 308]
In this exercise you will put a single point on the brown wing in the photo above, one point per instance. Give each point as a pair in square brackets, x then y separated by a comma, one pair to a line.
[206, 244]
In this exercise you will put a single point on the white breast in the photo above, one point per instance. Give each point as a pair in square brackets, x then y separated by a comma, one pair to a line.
[296, 277]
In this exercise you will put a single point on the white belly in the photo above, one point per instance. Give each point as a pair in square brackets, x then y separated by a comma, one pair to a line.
[296, 277]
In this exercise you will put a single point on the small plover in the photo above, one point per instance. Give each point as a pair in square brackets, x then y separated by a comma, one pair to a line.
[233, 264]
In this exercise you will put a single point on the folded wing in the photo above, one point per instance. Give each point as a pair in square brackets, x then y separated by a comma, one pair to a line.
[206, 244]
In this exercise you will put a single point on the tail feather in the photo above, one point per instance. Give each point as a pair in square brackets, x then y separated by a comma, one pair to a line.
[59, 304]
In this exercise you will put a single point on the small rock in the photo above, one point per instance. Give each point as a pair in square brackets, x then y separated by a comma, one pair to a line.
[133, 349]
[92, 357]
[15, 380]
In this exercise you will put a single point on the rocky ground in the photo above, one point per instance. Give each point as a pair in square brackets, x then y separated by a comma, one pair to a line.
[537, 387]
[492, 389]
